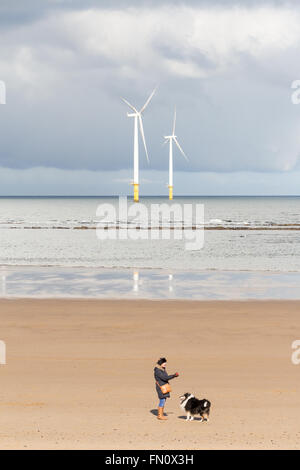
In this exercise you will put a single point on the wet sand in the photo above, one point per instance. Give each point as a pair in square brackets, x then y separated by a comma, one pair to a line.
[79, 374]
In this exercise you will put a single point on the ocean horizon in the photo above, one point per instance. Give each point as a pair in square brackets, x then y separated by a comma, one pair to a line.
[145, 196]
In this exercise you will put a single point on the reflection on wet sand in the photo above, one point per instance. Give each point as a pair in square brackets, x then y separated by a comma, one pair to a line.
[3, 283]
[171, 283]
[136, 278]
[147, 283]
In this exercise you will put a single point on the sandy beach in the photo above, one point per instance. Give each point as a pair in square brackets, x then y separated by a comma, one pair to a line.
[79, 374]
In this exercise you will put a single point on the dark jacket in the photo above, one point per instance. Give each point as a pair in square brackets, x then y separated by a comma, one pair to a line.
[161, 376]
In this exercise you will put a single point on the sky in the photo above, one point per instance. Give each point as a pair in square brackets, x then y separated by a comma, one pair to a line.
[227, 66]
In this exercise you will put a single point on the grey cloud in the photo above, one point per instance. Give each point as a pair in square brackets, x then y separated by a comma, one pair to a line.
[64, 108]
[16, 12]
[52, 181]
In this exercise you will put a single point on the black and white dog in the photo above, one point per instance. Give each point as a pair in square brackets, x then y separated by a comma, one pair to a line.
[192, 406]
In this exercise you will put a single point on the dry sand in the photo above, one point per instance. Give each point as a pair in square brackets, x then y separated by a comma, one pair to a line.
[79, 374]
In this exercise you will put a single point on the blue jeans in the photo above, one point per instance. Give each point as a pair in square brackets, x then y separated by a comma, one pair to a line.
[162, 402]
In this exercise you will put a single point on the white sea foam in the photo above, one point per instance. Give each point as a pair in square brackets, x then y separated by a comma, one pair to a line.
[216, 222]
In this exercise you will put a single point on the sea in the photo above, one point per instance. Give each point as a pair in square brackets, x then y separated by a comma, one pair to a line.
[51, 247]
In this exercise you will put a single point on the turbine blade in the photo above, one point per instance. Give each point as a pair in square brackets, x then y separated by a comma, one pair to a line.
[143, 136]
[176, 142]
[164, 143]
[174, 122]
[148, 101]
[130, 105]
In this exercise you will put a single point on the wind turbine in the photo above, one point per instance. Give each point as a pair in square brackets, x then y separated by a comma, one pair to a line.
[138, 122]
[172, 138]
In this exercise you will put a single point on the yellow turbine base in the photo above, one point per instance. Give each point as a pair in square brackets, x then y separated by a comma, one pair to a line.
[135, 192]
[171, 193]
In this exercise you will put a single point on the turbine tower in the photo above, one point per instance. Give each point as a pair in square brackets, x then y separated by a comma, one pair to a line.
[138, 123]
[172, 138]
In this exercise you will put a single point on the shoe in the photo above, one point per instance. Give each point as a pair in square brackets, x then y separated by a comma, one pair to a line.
[160, 414]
